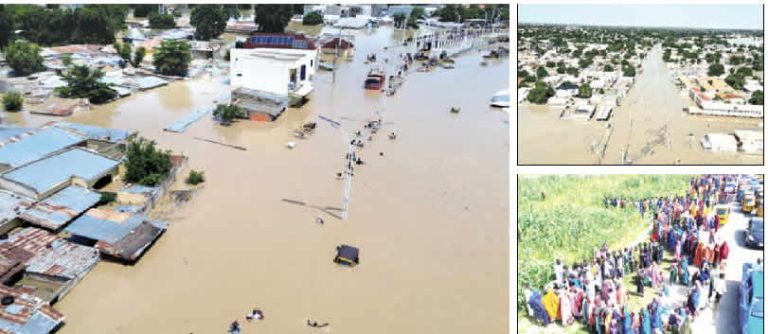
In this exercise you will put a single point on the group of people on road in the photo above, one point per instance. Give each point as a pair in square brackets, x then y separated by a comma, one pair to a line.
[595, 292]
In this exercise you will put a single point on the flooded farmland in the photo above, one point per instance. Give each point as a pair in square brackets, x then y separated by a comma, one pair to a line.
[430, 215]
[649, 127]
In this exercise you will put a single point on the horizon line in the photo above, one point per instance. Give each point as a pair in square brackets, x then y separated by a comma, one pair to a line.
[620, 26]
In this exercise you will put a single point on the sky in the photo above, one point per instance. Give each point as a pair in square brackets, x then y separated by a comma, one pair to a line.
[732, 16]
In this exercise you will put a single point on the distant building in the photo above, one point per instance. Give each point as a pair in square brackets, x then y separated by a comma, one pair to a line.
[400, 9]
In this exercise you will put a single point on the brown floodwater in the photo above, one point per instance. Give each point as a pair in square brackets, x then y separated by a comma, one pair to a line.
[430, 216]
[649, 125]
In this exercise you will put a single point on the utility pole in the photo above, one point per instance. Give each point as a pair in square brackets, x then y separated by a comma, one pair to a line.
[336, 54]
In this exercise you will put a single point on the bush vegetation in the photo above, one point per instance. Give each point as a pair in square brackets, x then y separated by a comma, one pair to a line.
[194, 178]
[145, 164]
[13, 101]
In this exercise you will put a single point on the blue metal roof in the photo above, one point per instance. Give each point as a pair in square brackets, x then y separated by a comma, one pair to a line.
[9, 202]
[60, 208]
[44, 174]
[95, 132]
[7, 132]
[181, 125]
[150, 82]
[34, 147]
[96, 228]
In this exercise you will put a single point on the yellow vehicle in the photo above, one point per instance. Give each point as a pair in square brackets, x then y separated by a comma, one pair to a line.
[759, 207]
[723, 211]
[748, 203]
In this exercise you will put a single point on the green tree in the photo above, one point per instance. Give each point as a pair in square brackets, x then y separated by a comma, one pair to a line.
[312, 19]
[550, 64]
[451, 13]
[209, 21]
[173, 57]
[273, 18]
[161, 21]
[757, 98]
[226, 113]
[24, 58]
[195, 177]
[736, 81]
[572, 71]
[231, 11]
[628, 71]
[744, 71]
[585, 62]
[142, 10]
[716, 70]
[585, 91]
[138, 56]
[66, 59]
[6, 26]
[124, 51]
[398, 19]
[13, 101]
[541, 72]
[416, 14]
[145, 164]
[82, 82]
[608, 68]
[540, 93]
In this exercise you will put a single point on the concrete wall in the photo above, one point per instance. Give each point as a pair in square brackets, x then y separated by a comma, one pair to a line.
[269, 75]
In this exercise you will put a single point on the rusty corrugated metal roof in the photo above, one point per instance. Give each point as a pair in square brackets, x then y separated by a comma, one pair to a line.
[27, 314]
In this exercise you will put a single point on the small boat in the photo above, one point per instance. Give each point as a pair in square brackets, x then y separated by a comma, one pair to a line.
[375, 80]
[501, 99]
[455, 110]
[447, 66]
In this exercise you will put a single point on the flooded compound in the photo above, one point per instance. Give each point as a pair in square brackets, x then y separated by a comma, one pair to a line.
[429, 211]
[648, 127]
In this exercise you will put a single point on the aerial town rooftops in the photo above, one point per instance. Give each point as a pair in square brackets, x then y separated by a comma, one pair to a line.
[99, 133]
[30, 146]
[45, 174]
[26, 313]
[57, 257]
[56, 211]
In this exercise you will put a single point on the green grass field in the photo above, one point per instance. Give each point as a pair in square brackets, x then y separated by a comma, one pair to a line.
[570, 219]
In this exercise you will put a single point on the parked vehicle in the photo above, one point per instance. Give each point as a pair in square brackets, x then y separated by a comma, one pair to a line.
[753, 235]
[723, 211]
[751, 300]
[375, 80]
[748, 203]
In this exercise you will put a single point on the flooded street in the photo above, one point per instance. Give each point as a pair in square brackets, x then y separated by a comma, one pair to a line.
[430, 216]
[650, 125]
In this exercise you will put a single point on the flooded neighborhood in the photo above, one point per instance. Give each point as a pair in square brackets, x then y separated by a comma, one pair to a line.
[639, 95]
[231, 198]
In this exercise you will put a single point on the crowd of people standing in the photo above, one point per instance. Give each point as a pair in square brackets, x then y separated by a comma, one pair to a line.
[684, 250]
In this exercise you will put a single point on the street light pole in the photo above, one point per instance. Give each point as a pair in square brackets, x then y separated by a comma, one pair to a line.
[348, 168]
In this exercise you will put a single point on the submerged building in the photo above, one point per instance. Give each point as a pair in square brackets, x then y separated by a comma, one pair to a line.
[282, 64]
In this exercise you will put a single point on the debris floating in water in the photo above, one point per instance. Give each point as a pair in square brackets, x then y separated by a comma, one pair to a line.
[222, 144]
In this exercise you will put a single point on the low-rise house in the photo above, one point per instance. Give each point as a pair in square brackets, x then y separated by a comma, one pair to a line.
[23, 313]
[259, 105]
[54, 212]
[719, 142]
[46, 176]
[120, 235]
[53, 266]
[34, 144]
